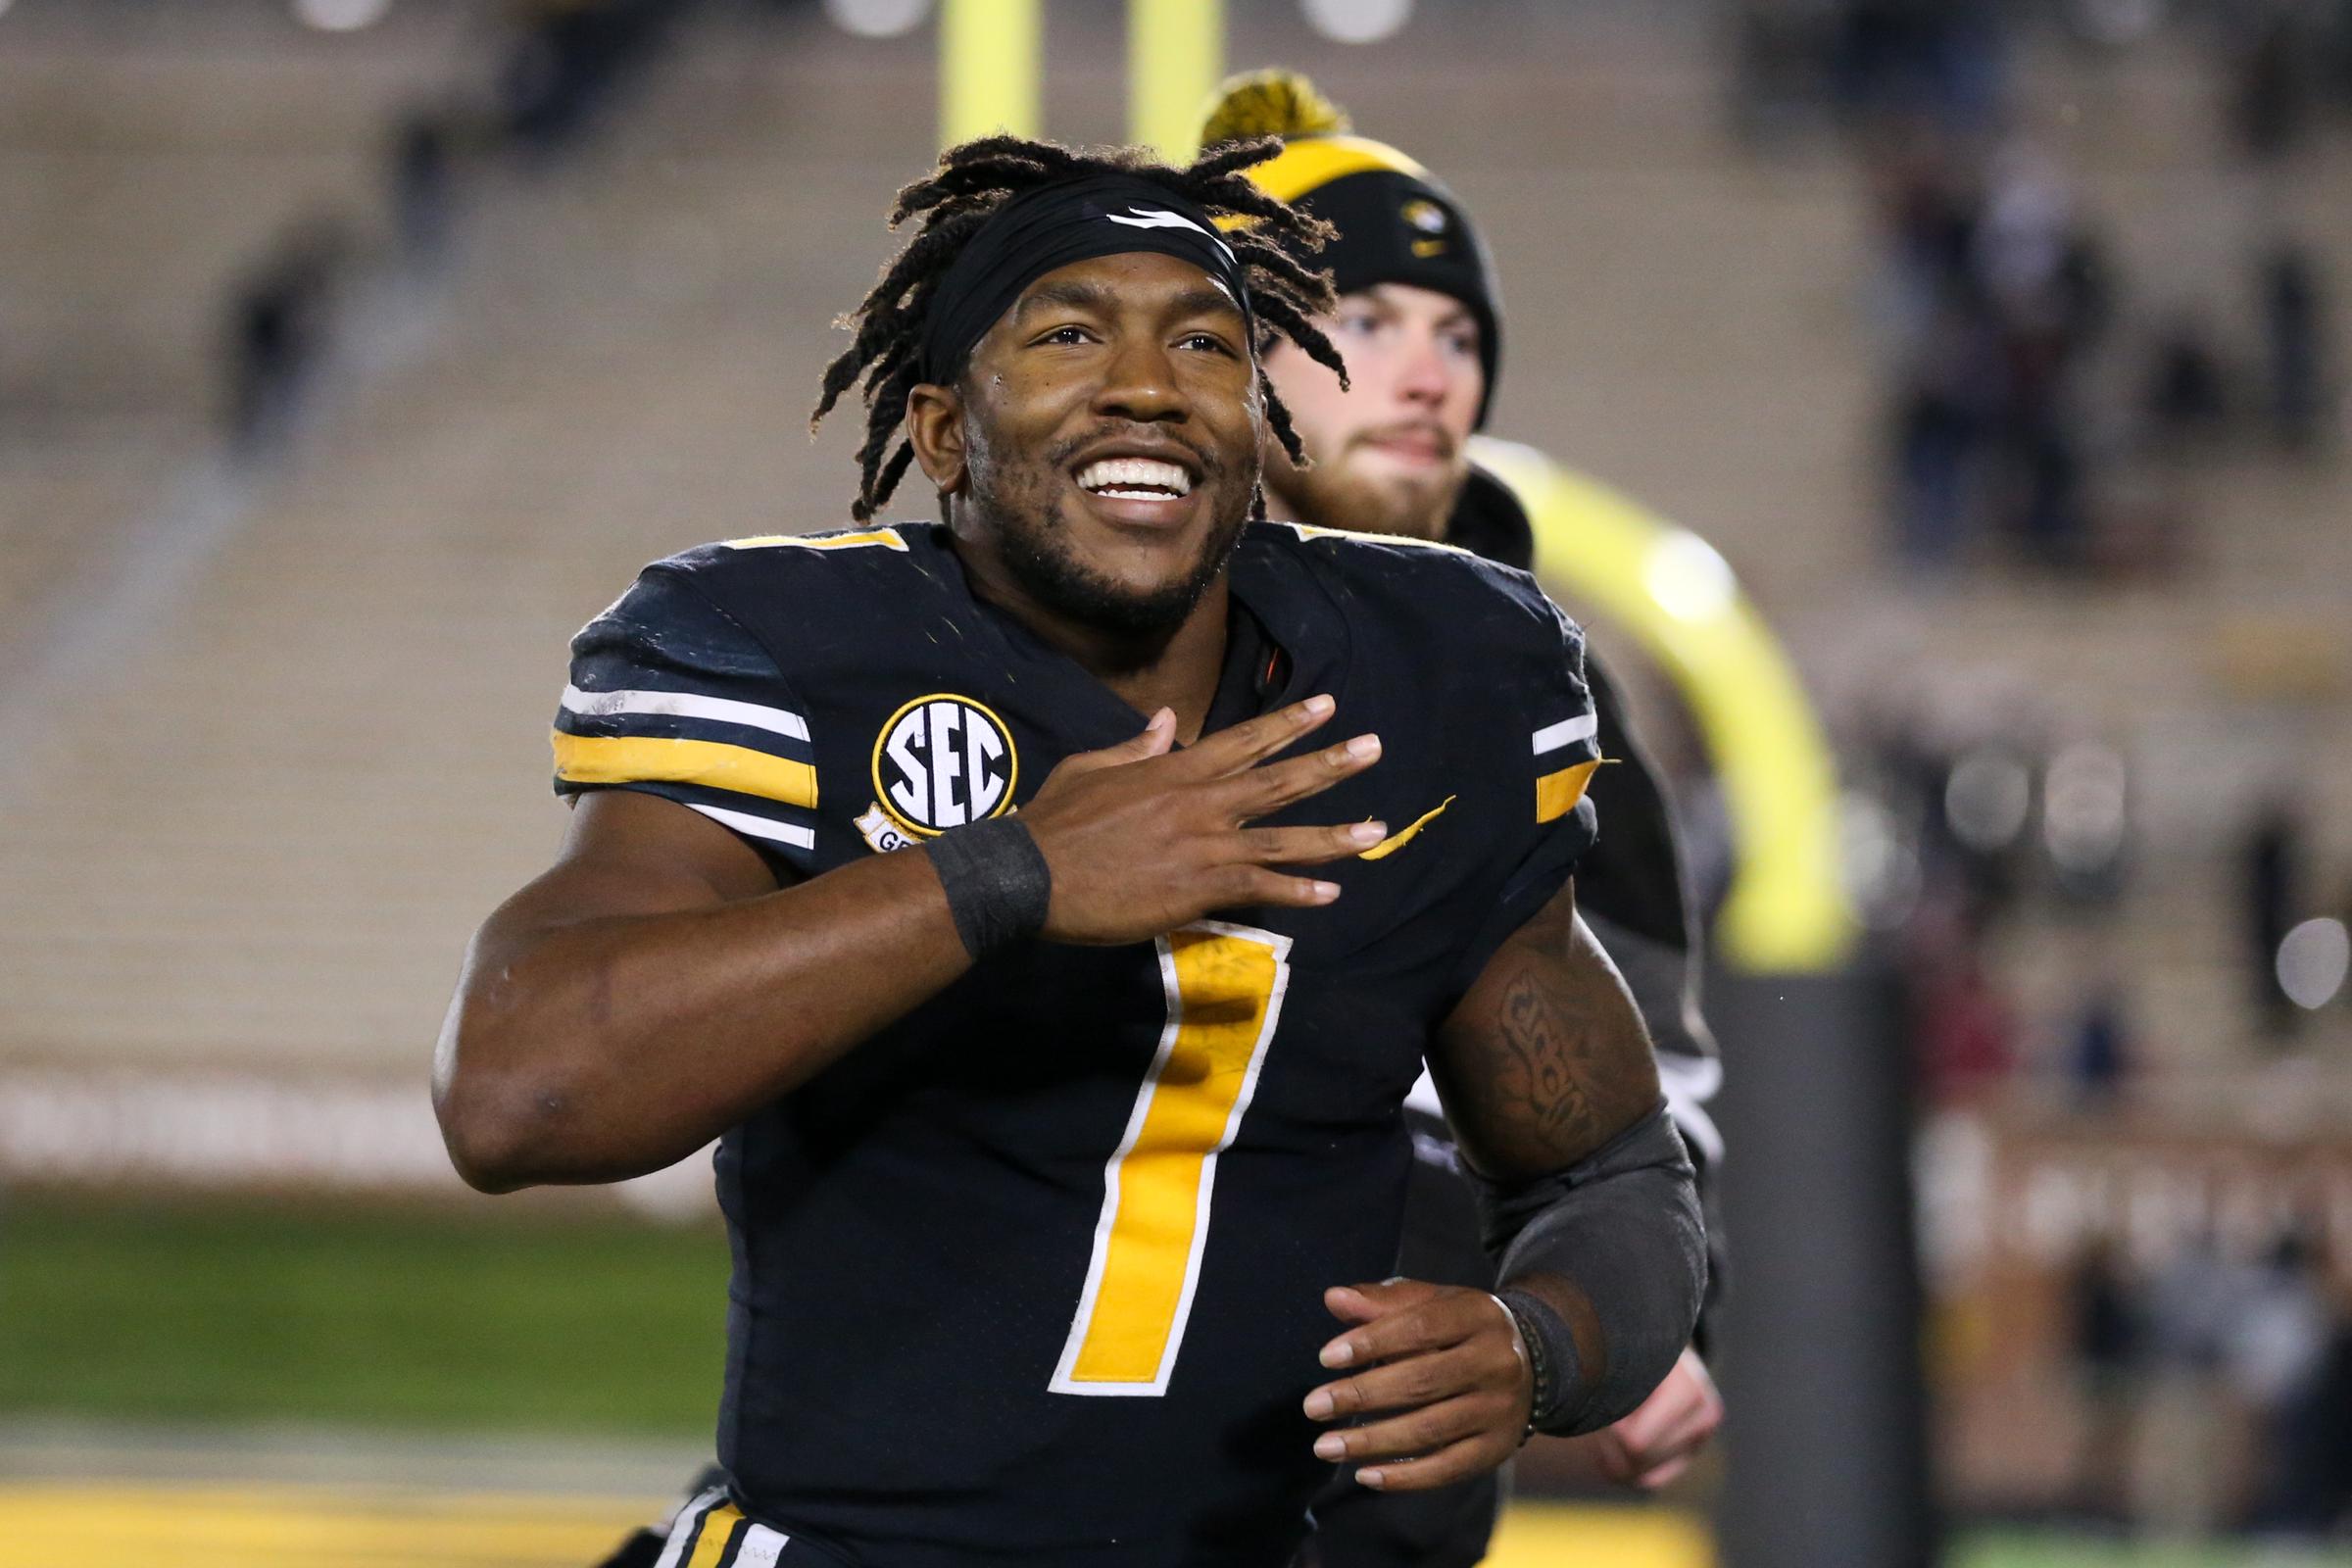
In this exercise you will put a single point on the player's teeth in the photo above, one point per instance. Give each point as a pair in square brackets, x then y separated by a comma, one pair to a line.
[1127, 476]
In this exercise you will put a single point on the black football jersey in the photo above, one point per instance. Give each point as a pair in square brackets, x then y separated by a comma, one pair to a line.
[1037, 1272]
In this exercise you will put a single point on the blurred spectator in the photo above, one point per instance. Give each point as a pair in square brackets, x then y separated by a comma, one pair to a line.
[422, 178]
[2307, 1487]
[1964, 1028]
[2187, 396]
[2001, 291]
[2273, 861]
[2108, 1340]
[1940, 416]
[1944, 58]
[2296, 344]
[2179, 1474]
[2279, 1349]
[279, 323]
[568, 58]
[2099, 1056]
[2044, 275]
[1774, 78]
[2273, 90]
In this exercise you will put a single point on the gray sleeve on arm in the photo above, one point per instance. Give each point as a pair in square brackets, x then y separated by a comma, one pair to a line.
[1623, 1226]
[1663, 979]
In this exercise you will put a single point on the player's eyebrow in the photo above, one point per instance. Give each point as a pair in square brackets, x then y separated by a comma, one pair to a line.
[1207, 300]
[1102, 299]
[1069, 296]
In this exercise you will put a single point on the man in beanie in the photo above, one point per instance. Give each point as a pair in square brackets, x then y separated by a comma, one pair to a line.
[1419, 323]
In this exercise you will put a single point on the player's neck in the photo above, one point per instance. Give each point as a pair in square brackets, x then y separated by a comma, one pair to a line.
[1176, 668]
[1183, 676]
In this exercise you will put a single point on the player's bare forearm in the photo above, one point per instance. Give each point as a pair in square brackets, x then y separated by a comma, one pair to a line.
[1544, 1060]
[654, 988]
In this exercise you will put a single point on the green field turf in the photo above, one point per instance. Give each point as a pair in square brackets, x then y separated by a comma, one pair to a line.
[2019, 1548]
[427, 1320]
[257, 1311]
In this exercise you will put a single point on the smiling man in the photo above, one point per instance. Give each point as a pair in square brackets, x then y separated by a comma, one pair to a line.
[953, 875]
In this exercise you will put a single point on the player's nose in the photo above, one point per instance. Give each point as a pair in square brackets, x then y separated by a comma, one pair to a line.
[1139, 382]
[1422, 376]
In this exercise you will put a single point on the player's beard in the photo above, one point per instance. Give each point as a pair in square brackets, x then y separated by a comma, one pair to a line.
[1033, 542]
[1332, 495]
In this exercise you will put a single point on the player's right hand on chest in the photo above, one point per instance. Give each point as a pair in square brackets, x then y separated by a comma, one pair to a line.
[1142, 838]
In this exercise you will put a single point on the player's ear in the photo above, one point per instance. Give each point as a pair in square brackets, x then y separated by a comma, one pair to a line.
[935, 428]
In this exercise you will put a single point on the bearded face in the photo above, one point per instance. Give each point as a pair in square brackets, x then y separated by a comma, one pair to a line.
[1388, 454]
[1108, 444]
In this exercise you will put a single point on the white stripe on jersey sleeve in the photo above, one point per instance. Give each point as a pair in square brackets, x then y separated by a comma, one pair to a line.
[681, 1529]
[758, 827]
[760, 1547]
[685, 704]
[1423, 1096]
[1551, 737]
[1689, 1082]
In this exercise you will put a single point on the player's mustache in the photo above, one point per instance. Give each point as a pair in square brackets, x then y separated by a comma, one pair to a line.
[1429, 429]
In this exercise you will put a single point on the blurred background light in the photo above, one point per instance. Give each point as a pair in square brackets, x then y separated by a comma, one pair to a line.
[2082, 807]
[1881, 866]
[340, 16]
[1687, 577]
[1359, 21]
[2312, 962]
[1988, 798]
[877, 18]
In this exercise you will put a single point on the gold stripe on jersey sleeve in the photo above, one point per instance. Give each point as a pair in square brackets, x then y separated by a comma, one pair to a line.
[1556, 794]
[718, 1527]
[887, 538]
[643, 760]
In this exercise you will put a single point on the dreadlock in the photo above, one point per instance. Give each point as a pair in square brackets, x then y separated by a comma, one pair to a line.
[973, 180]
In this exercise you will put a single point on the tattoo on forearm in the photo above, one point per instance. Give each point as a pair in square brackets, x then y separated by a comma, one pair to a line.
[1541, 1070]
[1546, 1060]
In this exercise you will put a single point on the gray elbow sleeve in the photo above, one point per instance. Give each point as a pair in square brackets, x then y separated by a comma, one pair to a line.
[1624, 1227]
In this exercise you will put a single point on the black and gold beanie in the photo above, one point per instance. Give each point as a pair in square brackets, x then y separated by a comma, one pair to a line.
[1396, 222]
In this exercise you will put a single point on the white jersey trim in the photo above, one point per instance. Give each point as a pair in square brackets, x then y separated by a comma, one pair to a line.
[685, 704]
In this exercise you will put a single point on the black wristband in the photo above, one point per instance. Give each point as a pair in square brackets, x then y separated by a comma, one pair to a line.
[997, 881]
[1551, 1356]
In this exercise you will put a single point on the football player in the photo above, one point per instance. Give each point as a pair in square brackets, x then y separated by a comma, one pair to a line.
[992, 891]
[1419, 325]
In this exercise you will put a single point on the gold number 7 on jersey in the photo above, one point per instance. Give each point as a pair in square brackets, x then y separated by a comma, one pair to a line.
[1224, 986]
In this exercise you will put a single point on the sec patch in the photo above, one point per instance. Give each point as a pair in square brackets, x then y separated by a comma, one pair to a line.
[940, 762]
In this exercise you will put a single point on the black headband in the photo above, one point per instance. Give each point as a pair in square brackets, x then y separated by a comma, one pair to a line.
[1075, 220]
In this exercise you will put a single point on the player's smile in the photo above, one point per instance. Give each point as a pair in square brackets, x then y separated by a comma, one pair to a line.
[1145, 483]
